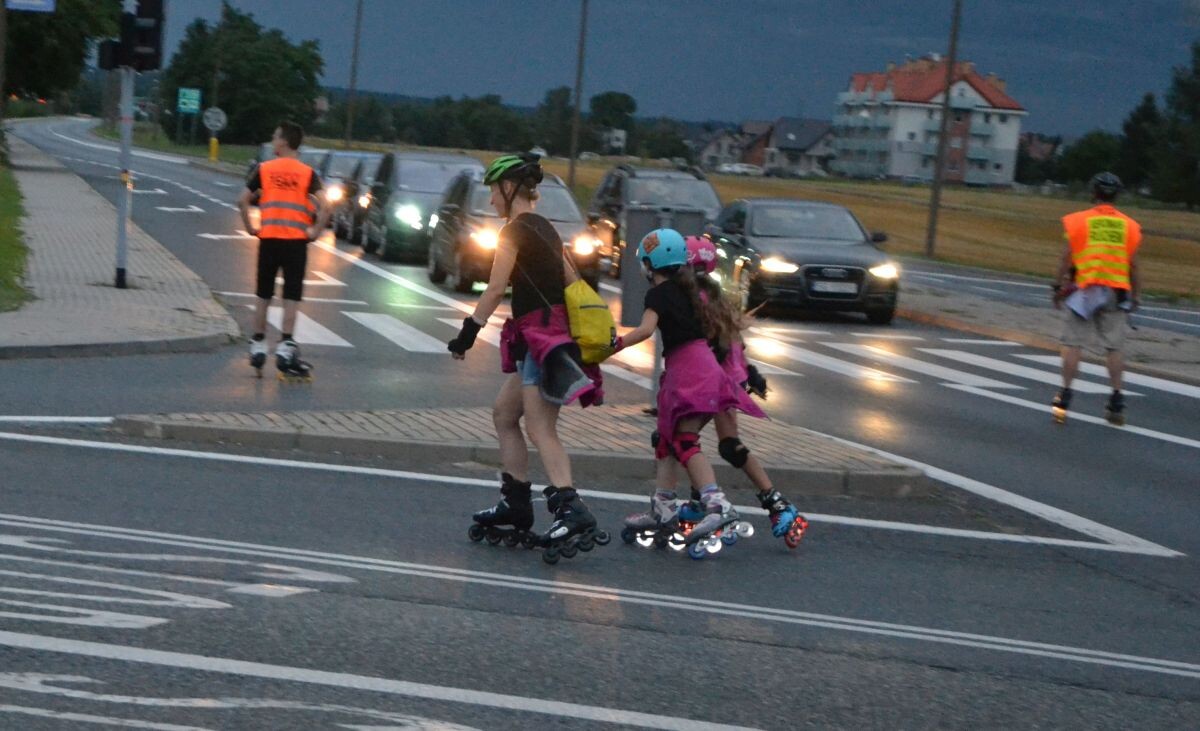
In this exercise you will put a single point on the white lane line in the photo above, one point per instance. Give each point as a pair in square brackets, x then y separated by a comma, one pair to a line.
[400, 333]
[251, 295]
[147, 191]
[96, 568]
[1068, 520]
[615, 594]
[243, 668]
[886, 336]
[308, 330]
[193, 208]
[97, 720]
[395, 278]
[974, 341]
[1126, 544]
[610, 288]
[408, 306]
[1019, 371]
[1088, 418]
[770, 347]
[1157, 308]
[989, 290]
[773, 370]
[1161, 384]
[912, 364]
[322, 280]
[221, 184]
[1142, 316]
[109, 148]
[991, 280]
[56, 419]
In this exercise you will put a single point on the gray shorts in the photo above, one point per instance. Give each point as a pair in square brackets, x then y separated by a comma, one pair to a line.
[1109, 324]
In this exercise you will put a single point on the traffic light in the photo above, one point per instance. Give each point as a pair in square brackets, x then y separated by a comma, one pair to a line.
[140, 45]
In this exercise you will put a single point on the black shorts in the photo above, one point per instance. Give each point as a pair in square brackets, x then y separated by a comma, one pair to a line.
[290, 255]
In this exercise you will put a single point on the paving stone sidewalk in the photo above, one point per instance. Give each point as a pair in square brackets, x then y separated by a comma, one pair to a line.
[70, 231]
[1149, 350]
[612, 440]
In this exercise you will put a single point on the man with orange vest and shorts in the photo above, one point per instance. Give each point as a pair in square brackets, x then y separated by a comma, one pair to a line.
[285, 189]
[1098, 282]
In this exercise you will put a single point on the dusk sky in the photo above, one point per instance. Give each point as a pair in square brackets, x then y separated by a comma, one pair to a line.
[1073, 65]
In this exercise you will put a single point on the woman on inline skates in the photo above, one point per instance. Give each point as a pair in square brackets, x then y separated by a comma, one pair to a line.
[543, 360]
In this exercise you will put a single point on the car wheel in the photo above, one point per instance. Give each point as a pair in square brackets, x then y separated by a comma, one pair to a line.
[437, 274]
[462, 281]
[881, 316]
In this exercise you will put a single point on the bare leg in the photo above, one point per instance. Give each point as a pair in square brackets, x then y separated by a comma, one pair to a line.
[260, 314]
[289, 315]
[541, 421]
[1070, 365]
[699, 470]
[666, 474]
[727, 426]
[506, 415]
[1116, 368]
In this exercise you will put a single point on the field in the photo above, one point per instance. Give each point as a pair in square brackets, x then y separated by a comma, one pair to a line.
[998, 230]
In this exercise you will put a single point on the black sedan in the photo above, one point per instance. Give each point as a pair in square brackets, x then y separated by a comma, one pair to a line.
[804, 255]
[465, 229]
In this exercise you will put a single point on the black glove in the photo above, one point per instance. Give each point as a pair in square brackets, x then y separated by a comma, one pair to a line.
[756, 383]
[466, 337]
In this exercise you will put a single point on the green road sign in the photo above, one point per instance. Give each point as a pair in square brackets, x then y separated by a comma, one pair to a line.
[189, 101]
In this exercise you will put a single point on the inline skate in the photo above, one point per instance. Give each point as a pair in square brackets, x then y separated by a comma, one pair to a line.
[510, 520]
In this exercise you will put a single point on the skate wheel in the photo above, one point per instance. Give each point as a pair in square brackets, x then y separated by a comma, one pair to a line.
[696, 551]
[677, 542]
[550, 555]
[645, 541]
[602, 538]
[729, 537]
[568, 550]
[586, 543]
[476, 532]
[511, 539]
[712, 545]
[529, 540]
[493, 537]
[661, 541]
[628, 535]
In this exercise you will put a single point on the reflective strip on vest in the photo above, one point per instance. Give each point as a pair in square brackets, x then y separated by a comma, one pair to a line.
[1103, 257]
[286, 209]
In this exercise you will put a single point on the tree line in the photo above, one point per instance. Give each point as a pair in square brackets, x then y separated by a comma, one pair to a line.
[1156, 153]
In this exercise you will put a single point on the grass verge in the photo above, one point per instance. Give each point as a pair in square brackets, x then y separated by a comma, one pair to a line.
[148, 137]
[12, 243]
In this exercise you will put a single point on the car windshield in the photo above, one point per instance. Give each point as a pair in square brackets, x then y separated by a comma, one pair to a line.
[673, 192]
[802, 222]
[555, 203]
[342, 164]
[428, 177]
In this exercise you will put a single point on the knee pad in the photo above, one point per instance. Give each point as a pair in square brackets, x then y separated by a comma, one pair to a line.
[733, 451]
[685, 445]
[655, 438]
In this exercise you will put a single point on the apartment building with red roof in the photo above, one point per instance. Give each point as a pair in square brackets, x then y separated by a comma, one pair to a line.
[887, 124]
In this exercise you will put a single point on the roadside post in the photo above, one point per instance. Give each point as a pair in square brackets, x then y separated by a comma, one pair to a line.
[215, 120]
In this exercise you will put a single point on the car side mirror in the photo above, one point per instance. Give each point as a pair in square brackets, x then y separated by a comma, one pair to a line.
[878, 237]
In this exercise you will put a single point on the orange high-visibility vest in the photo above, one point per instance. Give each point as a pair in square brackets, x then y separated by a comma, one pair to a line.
[287, 211]
[1103, 241]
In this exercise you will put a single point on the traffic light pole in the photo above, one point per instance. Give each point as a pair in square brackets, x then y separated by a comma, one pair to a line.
[125, 199]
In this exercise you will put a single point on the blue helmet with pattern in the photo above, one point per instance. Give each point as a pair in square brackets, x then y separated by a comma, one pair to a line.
[662, 248]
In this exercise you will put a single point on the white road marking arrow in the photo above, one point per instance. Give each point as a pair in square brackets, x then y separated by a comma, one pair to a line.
[190, 209]
[218, 237]
[322, 280]
[156, 191]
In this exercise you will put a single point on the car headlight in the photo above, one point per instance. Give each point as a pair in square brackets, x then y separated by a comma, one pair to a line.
[715, 275]
[486, 238]
[585, 244]
[433, 221]
[776, 265]
[885, 271]
[334, 193]
[410, 215]
[364, 200]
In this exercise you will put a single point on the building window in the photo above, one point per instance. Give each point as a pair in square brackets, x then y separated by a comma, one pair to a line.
[930, 113]
[1003, 119]
[956, 143]
[925, 163]
[987, 118]
[958, 116]
[912, 136]
[999, 166]
[952, 166]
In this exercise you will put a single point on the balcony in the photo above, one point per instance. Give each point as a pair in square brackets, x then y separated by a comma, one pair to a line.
[977, 152]
[980, 177]
[983, 129]
[933, 125]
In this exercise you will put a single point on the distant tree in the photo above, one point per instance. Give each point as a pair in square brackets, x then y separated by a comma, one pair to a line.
[552, 121]
[661, 138]
[612, 110]
[47, 52]
[1176, 175]
[1139, 138]
[258, 76]
[1095, 152]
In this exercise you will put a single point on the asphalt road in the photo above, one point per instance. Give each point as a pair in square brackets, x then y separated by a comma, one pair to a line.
[853, 630]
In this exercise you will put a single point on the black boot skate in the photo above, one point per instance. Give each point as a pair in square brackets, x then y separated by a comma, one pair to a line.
[1060, 405]
[258, 356]
[510, 519]
[1115, 410]
[786, 521]
[574, 526]
[287, 362]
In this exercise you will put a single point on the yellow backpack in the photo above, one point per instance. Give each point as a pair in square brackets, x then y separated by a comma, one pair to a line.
[592, 324]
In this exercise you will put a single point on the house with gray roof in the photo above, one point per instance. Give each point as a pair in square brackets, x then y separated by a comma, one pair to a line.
[798, 147]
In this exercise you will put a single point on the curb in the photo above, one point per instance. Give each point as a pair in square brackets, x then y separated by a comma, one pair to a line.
[900, 482]
[215, 168]
[196, 344]
[1023, 337]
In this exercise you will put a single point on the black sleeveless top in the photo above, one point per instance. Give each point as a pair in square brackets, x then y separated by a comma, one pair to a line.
[539, 263]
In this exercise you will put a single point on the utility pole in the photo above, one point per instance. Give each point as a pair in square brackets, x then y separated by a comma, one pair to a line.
[578, 97]
[3, 52]
[353, 75]
[939, 166]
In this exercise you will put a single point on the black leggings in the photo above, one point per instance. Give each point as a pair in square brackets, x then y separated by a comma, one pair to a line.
[290, 255]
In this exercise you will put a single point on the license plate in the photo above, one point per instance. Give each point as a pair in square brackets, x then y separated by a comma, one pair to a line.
[835, 287]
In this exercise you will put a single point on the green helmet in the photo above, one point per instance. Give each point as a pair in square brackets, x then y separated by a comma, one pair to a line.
[522, 168]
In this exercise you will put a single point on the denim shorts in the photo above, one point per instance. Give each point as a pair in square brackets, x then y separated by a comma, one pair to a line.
[531, 372]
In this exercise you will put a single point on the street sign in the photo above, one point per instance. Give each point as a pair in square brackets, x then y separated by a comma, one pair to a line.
[188, 101]
[32, 6]
[215, 119]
